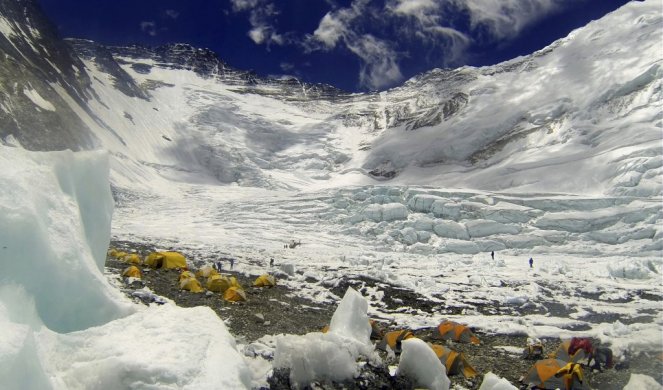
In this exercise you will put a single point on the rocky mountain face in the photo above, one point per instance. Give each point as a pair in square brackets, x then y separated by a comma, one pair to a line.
[206, 64]
[45, 89]
[42, 82]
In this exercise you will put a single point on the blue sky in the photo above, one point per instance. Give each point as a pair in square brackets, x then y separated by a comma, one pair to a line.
[355, 45]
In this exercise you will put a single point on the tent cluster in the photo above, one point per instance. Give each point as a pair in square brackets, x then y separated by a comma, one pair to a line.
[564, 368]
[156, 260]
[212, 280]
[227, 286]
[455, 362]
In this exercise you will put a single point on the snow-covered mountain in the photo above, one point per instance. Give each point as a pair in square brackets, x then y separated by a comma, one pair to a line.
[552, 121]
[556, 155]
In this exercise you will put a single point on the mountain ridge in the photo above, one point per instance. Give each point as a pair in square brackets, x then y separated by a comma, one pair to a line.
[196, 118]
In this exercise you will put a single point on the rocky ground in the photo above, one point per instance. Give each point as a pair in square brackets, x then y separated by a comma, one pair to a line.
[278, 310]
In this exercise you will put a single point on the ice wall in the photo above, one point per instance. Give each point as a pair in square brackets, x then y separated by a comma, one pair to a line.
[63, 325]
[55, 215]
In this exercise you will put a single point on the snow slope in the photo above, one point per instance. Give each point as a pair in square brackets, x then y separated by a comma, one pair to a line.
[554, 121]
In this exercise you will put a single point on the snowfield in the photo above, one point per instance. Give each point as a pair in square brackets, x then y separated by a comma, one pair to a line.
[555, 156]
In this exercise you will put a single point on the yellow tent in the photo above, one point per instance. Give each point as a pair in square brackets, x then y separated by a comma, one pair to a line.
[191, 284]
[165, 260]
[186, 275]
[132, 272]
[235, 283]
[393, 339]
[112, 252]
[120, 254]
[218, 283]
[132, 258]
[206, 271]
[265, 280]
[450, 330]
[234, 294]
[455, 362]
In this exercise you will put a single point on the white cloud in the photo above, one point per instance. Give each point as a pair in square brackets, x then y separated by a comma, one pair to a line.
[171, 13]
[149, 27]
[261, 16]
[506, 18]
[420, 9]
[424, 22]
[265, 34]
[503, 19]
[379, 61]
[379, 67]
[243, 5]
[286, 66]
[330, 30]
[367, 29]
[258, 35]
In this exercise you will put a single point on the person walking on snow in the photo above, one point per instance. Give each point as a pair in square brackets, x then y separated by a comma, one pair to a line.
[531, 262]
[271, 262]
[492, 255]
[232, 262]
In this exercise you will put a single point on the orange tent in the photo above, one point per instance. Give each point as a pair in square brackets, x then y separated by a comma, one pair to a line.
[455, 362]
[234, 294]
[450, 330]
[553, 374]
[393, 340]
[132, 272]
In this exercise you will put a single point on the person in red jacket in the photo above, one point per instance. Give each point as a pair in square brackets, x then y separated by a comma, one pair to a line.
[599, 355]
[578, 343]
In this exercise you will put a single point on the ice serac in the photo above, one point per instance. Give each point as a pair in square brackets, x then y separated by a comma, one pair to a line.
[333, 355]
[55, 216]
[351, 319]
[63, 325]
[493, 382]
[419, 363]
